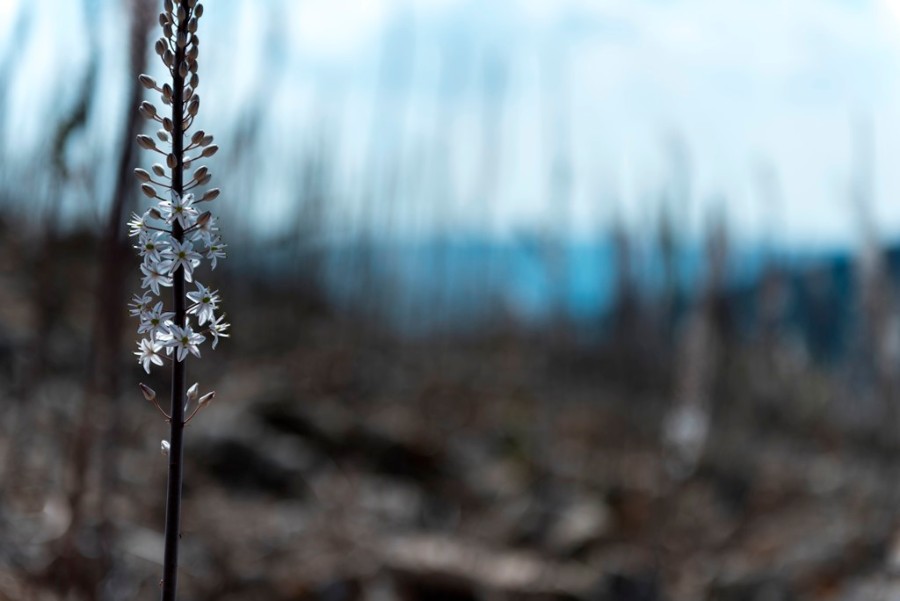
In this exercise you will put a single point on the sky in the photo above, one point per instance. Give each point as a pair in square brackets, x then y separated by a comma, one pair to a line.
[568, 114]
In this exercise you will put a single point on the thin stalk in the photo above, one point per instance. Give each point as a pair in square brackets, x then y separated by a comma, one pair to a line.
[176, 413]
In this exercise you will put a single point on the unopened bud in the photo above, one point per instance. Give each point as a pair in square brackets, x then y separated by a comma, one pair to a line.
[154, 212]
[204, 180]
[164, 447]
[168, 58]
[209, 151]
[195, 40]
[188, 93]
[162, 135]
[193, 391]
[182, 15]
[171, 161]
[198, 12]
[168, 6]
[168, 125]
[187, 163]
[204, 218]
[148, 392]
[198, 137]
[183, 70]
[207, 140]
[147, 81]
[194, 106]
[159, 170]
[206, 399]
[210, 195]
[195, 81]
[200, 173]
[160, 46]
[193, 53]
[146, 142]
[147, 110]
[192, 3]
[142, 175]
[148, 190]
[167, 30]
[192, 25]
[163, 19]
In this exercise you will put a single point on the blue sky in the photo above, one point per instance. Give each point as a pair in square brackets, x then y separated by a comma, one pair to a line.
[593, 94]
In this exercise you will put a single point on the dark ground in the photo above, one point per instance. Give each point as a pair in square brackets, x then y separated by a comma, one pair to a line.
[341, 462]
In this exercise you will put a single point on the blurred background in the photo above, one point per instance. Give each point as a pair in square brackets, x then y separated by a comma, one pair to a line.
[531, 299]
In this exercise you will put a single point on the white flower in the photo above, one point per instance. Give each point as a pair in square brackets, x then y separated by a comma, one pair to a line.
[182, 254]
[179, 209]
[217, 329]
[148, 352]
[205, 303]
[149, 246]
[216, 251]
[184, 340]
[155, 323]
[155, 275]
[206, 231]
[140, 304]
[138, 223]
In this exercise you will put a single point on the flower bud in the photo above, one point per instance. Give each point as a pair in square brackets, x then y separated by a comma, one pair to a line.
[148, 392]
[188, 93]
[147, 110]
[159, 170]
[154, 212]
[194, 106]
[148, 190]
[204, 218]
[192, 25]
[193, 392]
[210, 195]
[160, 46]
[195, 81]
[182, 39]
[195, 40]
[192, 3]
[171, 161]
[187, 163]
[206, 399]
[147, 81]
[169, 6]
[168, 58]
[204, 180]
[207, 140]
[193, 53]
[198, 136]
[167, 30]
[183, 70]
[164, 447]
[200, 173]
[209, 151]
[142, 175]
[146, 142]
[198, 12]
[182, 15]
[168, 125]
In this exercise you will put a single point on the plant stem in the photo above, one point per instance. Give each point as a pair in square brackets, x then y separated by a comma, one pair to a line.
[176, 439]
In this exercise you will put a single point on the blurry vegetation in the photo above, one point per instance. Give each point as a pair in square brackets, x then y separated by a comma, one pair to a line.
[393, 423]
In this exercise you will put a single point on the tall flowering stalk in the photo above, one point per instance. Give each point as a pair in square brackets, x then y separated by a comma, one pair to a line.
[174, 236]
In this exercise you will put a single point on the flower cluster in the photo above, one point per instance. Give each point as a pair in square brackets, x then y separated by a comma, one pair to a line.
[162, 255]
[175, 236]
